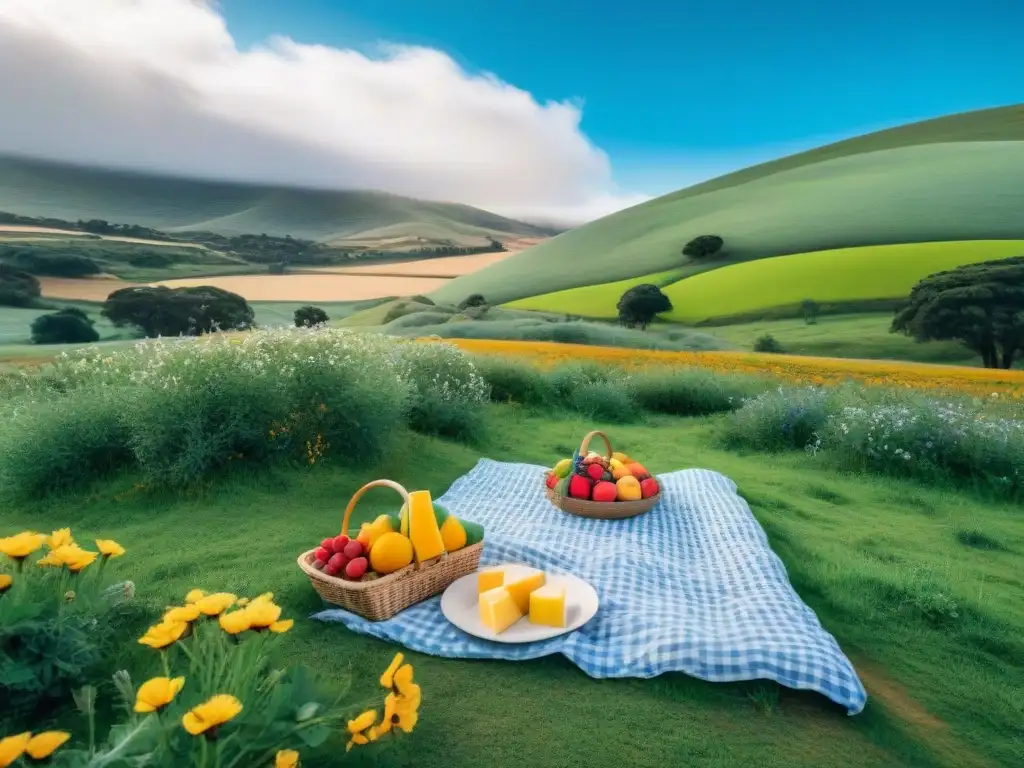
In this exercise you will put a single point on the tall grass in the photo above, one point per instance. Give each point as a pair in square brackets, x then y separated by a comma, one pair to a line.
[181, 409]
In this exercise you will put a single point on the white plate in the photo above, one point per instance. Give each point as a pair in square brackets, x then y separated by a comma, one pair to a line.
[461, 606]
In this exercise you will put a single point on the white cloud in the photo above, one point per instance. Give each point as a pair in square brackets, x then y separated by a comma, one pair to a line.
[161, 85]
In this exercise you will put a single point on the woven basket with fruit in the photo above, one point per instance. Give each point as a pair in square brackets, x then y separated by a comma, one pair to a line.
[608, 486]
[395, 561]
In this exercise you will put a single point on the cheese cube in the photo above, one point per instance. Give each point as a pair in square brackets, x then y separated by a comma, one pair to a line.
[547, 605]
[489, 578]
[498, 611]
[521, 583]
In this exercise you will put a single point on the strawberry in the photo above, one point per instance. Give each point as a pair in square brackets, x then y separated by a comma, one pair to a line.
[356, 568]
[322, 554]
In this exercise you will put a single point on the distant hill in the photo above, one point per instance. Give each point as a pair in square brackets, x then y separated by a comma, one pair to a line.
[343, 218]
[954, 178]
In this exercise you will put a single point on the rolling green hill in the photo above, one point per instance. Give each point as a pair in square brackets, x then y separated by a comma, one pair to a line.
[953, 178]
[37, 188]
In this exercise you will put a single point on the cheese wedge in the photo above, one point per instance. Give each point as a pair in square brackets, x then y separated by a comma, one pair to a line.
[520, 583]
[423, 530]
[489, 578]
[547, 605]
[498, 611]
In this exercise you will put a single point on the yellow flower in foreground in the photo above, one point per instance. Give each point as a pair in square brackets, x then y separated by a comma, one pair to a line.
[22, 545]
[109, 548]
[182, 613]
[211, 713]
[60, 538]
[286, 758]
[157, 692]
[403, 680]
[70, 555]
[262, 613]
[400, 712]
[163, 634]
[195, 596]
[42, 745]
[13, 747]
[362, 729]
[215, 604]
[387, 680]
[235, 622]
[282, 626]
[5, 582]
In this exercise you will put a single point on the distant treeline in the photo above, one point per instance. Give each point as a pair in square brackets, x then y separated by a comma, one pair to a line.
[257, 249]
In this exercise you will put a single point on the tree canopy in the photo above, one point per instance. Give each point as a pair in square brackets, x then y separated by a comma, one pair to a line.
[162, 311]
[66, 326]
[18, 288]
[703, 246]
[639, 305]
[310, 316]
[980, 305]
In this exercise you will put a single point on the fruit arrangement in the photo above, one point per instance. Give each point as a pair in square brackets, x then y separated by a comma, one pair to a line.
[592, 477]
[421, 531]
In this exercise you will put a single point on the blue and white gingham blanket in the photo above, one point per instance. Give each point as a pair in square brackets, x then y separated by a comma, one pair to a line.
[692, 586]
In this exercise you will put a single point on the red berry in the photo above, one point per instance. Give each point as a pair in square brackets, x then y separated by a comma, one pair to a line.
[340, 542]
[595, 471]
[356, 568]
[337, 561]
[552, 480]
[330, 570]
[322, 554]
[353, 550]
[319, 564]
[328, 544]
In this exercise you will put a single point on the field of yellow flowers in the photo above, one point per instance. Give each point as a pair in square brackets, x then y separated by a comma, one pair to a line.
[790, 368]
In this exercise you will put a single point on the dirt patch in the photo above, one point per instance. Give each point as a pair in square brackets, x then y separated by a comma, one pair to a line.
[84, 289]
[73, 233]
[319, 287]
[922, 724]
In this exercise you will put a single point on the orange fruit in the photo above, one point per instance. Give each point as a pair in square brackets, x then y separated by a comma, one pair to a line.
[391, 552]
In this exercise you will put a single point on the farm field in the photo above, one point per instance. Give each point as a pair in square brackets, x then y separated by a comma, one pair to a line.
[444, 266]
[314, 288]
[850, 568]
[597, 301]
[875, 190]
[24, 229]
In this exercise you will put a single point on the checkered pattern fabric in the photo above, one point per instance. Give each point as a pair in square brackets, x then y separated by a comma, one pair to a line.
[692, 586]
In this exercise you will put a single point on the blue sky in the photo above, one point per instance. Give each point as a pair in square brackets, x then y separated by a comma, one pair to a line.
[672, 90]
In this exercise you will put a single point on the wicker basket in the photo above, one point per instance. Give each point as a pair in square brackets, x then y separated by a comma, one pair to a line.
[602, 510]
[381, 598]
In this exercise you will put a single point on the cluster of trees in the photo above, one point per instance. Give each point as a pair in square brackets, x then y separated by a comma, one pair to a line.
[48, 261]
[641, 304]
[191, 311]
[101, 227]
[18, 288]
[65, 326]
[308, 316]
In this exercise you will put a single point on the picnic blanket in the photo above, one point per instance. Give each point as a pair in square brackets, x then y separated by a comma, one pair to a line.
[692, 586]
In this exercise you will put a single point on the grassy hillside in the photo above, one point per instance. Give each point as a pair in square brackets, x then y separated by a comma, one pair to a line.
[36, 188]
[955, 178]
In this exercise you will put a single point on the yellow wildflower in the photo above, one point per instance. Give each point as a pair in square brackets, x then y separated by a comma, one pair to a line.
[387, 680]
[195, 596]
[70, 555]
[286, 758]
[13, 747]
[211, 713]
[109, 548]
[282, 626]
[163, 634]
[215, 604]
[157, 692]
[262, 614]
[182, 613]
[400, 712]
[59, 538]
[235, 622]
[358, 727]
[403, 679]
[5, 582]
[42, 745]
[21, 545]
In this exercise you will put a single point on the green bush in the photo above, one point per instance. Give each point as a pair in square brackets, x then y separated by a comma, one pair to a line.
[688, 392]
[18, 288]
[191, 311]
[768, 343]
[605, 401]
[54, 263]
[418, 320]
[447, 390]
[513, 381]
[566, 380]
[310, 316]
[67, 326]
[781, 419]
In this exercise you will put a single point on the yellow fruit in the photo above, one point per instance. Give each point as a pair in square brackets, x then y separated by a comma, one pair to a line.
[391, 552]
[621, 471]
[453, 534]
[621, 457]
[613, 463]
[376, 529]
[563, 468]
[628, 489]
[403, 515]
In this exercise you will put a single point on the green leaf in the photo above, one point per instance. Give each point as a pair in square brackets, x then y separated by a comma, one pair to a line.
[440, 514]
[307, 710]
[474, 532]
[315, 736]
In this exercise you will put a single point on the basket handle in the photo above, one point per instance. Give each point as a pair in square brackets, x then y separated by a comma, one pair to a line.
[359, 494]
[586, 443]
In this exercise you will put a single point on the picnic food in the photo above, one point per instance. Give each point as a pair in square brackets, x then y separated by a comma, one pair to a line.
[499, 610]
[453, 535]
[521, 582]
[391, 552]
[489, 578]
[594, 477]
[547, 605]
[423, 529]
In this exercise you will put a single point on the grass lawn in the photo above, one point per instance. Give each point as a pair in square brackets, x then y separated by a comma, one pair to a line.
[879, 561]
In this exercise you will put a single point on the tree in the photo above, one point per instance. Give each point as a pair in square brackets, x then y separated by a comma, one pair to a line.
[17, 288]
[640, 304]
[810, 309]
[768, 343]
[309, 316]
[68, 326]
[473, 300]
[979, 305]
[703, 247]
[162, 311]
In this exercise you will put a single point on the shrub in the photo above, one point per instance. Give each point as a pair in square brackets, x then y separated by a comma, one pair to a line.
[567, 379]
[151, 260]
[640, 304]
[687, 392]
[703, 246]
[277, 268]
[17, 288]
[768, 343]
[68, 326]
[511, 381]
[423, 300]
[50, 262]
[308, 316]
[448, 393]
[473, 300]
[605, 401]
[191, 311]
[780, 419]
[810, 310]
[419, 320]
